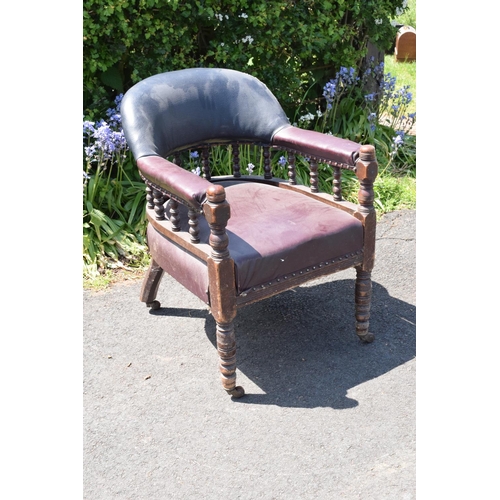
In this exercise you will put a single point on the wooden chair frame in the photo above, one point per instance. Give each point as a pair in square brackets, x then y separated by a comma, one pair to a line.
[168, 200]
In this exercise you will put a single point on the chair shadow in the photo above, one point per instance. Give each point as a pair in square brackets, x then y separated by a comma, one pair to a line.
[300, 347]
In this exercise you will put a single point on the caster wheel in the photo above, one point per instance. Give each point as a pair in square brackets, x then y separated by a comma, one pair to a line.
[154, 305]
[237, 392]
[367, 338]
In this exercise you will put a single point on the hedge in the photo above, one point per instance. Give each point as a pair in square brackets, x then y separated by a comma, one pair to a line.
[295, 47]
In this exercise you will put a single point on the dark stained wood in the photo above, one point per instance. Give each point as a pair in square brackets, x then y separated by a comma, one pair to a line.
[177, 159]
[366, 172]
[158, 201]
[173, 209]
[291, 169]
[313, 165]
[222, 287]
[193, 226]
[205, 158]
[337, 184]
[223, 299]
[181, 238]
[267, 163]
[236, 161]
[293, 280]
[150, 285]
[149, 197]
[363, 295]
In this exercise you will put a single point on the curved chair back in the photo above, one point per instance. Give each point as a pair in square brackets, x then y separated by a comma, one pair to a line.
[174, 110]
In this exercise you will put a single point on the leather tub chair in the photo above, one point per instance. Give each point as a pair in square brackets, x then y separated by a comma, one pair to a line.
[236, 239]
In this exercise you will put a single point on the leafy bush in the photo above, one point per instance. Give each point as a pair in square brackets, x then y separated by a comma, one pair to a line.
[113, 198]
[114, 226]
[290, 45]
[310, 53]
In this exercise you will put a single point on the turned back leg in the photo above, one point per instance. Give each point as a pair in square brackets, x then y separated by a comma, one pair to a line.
[150, 285]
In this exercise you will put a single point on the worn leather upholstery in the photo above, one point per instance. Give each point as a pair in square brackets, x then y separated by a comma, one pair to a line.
[321, 146]
[179, 109]
[180, 183]
[298, 225]
[175, 110]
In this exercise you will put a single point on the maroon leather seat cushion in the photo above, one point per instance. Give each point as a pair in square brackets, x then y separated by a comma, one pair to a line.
[272, 233]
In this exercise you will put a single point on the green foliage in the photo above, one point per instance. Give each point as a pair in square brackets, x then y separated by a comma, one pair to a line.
[310, 54]
[290, 45]
[406, 74]
[113, 200]
[409, 16]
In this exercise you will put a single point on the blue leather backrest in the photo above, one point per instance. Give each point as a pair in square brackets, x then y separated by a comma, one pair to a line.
[179, 109]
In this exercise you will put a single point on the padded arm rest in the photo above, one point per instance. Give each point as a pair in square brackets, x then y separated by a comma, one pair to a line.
[180, 183]
[321, 146]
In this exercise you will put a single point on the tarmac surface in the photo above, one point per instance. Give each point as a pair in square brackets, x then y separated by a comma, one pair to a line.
[324, 416]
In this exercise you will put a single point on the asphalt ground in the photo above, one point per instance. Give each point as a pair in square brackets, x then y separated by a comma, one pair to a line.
[324, 416]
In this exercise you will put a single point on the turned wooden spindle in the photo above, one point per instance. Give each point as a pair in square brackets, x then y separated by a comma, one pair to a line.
[173, 210]
[267, 163]
[314, 175]
[291, 169]
[205, 160]
[177, 159]
[149, 197]
[236, 160]
[194, 230]
[158, 201]
[337, 184]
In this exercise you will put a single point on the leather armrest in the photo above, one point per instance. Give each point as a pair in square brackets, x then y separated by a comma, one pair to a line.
[175, 180]
[321, 146]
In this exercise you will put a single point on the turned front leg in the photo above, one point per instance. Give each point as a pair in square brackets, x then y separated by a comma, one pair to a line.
[222, 289]
[363, 297]
[366, 171]
[226, 348]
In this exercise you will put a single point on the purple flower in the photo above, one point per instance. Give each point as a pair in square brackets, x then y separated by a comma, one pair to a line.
[88, 127]
[282, 161]
[329, 92]
[347, 76]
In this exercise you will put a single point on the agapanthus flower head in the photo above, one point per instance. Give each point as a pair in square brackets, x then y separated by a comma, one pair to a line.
[194, 154]
[398, 139]
[118, 101]
[347, 76]
[88, 127]
[387, 85]
[250, 168]
[329, 91]
[106, 142]
[196, 171]
[282, 161]
[113, 116]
